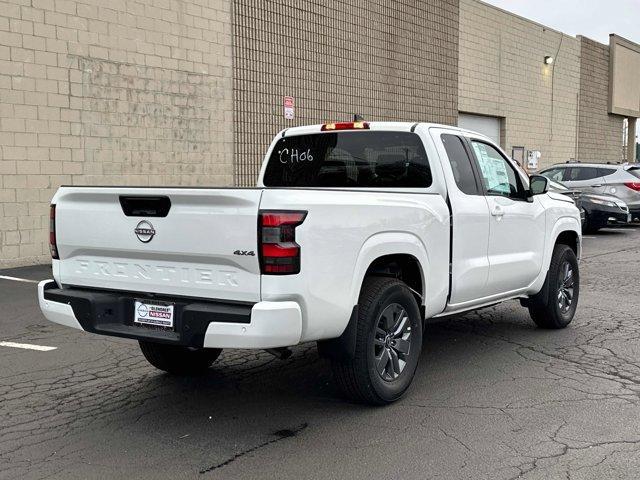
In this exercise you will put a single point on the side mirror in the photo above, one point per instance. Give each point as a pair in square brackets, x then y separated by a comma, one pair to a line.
[538, 185]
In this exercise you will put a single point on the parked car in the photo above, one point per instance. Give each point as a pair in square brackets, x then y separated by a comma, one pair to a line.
[619, 180]
[356, 234]
[596, 211]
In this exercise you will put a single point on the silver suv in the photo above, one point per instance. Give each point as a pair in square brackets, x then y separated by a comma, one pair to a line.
[622, 181]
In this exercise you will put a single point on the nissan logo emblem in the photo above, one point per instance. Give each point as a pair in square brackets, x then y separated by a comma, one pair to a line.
[144, 231]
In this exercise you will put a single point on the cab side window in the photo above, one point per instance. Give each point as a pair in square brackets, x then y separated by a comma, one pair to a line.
[498, 175]
[555, 174]
[460, 164]
[605, 172]
[578, 174]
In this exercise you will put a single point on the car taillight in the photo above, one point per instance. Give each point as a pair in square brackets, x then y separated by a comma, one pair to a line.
[279, 252]
[53, 246]
[633, 186]
[345, 126]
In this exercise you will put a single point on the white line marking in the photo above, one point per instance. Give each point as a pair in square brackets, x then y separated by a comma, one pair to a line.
[27, 346]
[585, 236]
[16, 279]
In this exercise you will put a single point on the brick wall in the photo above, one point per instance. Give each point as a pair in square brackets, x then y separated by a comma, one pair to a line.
[600, 135]
[108, 92]
[385, 60]
[502, 74]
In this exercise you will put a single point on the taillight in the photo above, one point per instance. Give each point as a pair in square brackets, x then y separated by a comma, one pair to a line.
[345, 126]
[53, 246]
[633, 186]
[279, 252]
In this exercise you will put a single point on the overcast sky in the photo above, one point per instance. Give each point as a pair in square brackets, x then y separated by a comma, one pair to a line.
[595, 19]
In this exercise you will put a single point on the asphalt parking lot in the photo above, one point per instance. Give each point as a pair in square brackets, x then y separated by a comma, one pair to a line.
[494, 398]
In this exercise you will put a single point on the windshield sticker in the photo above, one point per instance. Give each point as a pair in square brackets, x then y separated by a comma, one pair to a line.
[494, 170]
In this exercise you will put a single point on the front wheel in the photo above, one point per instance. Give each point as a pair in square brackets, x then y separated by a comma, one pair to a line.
[388, 344]
[555, 306]
[179, 360]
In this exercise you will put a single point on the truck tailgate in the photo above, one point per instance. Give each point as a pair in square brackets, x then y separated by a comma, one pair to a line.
[189, 252]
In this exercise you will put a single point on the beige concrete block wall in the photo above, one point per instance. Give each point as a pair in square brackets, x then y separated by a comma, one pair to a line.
[502, 74]
[108, 92]
[386, 60]
[600, 135]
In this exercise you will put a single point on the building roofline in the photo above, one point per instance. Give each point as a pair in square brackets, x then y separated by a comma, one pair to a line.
[528, 20]
[581, 37]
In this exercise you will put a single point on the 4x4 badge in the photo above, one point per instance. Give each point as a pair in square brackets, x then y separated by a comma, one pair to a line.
[144, 231]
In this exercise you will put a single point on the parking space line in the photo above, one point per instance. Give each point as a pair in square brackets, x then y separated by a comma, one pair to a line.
[27, 346]
[16, 279]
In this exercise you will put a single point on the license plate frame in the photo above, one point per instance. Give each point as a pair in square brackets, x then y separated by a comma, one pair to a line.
[154, 313]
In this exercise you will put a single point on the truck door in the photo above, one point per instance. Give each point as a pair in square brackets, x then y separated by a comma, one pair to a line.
[517, 226]
[470, 219]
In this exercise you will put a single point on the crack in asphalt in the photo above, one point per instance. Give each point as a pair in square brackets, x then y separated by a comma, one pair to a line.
[279, 436]
[530, 466]
[455, 439]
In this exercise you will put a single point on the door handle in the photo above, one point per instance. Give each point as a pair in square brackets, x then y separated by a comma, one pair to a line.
[497, 212]
[597, 185]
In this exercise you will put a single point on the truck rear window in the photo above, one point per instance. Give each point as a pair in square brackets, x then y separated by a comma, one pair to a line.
[370, 159]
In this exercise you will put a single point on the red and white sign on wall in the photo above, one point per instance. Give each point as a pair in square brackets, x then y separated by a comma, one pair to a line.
[289, 108]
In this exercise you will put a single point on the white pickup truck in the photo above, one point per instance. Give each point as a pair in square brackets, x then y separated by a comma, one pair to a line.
[356, 234]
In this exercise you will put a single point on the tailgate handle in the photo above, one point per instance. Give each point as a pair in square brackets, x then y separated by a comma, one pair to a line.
[145, 206]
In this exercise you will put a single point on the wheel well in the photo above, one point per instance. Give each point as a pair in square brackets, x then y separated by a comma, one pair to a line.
[401, 266]
[570, 238]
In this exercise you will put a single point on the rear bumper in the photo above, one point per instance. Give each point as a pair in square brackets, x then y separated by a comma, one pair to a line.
[198, 323]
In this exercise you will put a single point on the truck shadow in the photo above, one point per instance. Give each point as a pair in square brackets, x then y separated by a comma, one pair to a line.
[240, 375]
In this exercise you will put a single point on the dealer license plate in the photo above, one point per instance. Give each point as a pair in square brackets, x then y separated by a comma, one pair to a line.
[150, 312]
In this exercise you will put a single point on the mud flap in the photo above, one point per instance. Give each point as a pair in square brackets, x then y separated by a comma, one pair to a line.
[343, 347]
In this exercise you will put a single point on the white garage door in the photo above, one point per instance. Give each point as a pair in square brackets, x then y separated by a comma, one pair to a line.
[489, 126]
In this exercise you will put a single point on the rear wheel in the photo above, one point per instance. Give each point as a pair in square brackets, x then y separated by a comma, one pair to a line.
[179, 360]
[388, 344]
[555, 306]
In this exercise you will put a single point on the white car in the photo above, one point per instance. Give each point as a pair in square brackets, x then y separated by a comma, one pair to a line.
[356, 234]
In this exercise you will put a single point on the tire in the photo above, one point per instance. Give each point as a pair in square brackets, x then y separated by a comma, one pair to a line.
[388, 344]
[179, 360]
[555, 305]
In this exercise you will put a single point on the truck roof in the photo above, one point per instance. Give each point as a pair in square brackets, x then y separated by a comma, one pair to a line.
[397, 126]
